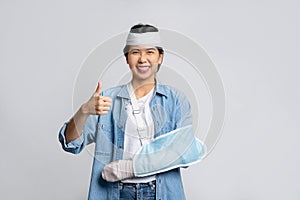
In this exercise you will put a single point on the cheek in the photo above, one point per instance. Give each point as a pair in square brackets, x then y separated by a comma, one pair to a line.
[131, 67]
[131, 60]
[155, 61]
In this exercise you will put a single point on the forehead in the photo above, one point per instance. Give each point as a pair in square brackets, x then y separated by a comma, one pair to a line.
[141, 47]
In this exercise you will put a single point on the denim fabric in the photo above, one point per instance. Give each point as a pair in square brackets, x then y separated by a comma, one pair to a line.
[170, 110]
[139, 191]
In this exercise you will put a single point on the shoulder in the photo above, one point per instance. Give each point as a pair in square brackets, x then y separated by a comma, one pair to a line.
[170, 91]
[114, 91]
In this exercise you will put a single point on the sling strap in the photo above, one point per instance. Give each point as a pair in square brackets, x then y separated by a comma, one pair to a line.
[137, 113]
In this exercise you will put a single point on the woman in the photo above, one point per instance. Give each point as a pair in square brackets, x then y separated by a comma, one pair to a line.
[135, 128]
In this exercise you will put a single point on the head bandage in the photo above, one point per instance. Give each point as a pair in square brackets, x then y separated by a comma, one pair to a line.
[149, 38]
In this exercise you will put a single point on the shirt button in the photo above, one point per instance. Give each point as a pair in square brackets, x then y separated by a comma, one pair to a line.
[120, 126]
[102, 125]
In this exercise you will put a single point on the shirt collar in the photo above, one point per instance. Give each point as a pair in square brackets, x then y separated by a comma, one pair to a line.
[159, 89]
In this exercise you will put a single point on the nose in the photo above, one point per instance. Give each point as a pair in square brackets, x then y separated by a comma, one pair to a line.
[142, 58]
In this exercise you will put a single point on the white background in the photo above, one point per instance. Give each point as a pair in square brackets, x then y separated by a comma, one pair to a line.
[254, 44]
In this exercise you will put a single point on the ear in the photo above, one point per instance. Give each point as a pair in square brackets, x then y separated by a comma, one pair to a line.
[160, 59]
[126, 57]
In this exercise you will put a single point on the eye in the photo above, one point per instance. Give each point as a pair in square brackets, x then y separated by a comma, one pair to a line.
[135, 52]
[150, 52]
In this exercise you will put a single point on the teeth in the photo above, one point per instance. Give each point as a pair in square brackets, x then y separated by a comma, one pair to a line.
[143, 68]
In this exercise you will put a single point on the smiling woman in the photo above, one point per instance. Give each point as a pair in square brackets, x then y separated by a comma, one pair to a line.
[144, 34]
[150, 135]
[143, 62]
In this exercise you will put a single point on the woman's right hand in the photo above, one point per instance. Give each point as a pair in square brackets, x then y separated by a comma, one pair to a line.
[97, 105]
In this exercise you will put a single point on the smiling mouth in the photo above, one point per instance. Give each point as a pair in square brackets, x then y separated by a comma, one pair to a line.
[143, 68]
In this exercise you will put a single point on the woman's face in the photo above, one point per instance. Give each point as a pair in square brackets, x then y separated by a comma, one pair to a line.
[143, 62]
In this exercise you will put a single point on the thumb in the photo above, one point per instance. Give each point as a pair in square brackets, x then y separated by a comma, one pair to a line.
[98, 89]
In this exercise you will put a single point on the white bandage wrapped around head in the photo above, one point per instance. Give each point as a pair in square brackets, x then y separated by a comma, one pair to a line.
[148, 38]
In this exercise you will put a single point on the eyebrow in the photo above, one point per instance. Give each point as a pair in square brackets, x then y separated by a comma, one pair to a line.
[151, 48]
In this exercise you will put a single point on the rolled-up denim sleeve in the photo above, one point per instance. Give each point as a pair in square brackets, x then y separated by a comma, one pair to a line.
[183, 108]
[87, 136]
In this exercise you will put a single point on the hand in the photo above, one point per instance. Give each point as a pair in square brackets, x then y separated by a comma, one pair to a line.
[118, 170]
[97, 105]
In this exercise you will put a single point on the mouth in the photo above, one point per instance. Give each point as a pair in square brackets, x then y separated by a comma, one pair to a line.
[143, 69]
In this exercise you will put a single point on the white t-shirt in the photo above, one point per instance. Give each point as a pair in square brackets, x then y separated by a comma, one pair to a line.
[131, 139]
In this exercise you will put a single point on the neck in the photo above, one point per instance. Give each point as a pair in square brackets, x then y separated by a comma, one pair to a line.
[142, 88]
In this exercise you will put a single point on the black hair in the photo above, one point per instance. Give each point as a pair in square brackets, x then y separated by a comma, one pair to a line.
[143, 28]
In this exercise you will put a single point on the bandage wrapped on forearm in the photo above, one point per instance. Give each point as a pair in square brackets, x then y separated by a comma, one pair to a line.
[178, 148]
[118, 170]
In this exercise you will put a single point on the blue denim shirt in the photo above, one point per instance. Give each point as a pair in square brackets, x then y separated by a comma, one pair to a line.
[170, 110]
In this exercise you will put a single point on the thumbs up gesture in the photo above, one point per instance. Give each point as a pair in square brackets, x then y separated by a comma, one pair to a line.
[97, 105]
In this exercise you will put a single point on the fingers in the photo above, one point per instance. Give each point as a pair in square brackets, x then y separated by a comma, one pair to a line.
[103, 101]
[102, 105]
[106, 99]
[98, 89]
[97, 104]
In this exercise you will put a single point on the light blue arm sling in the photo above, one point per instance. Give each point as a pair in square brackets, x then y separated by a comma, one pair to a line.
[178, 148]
